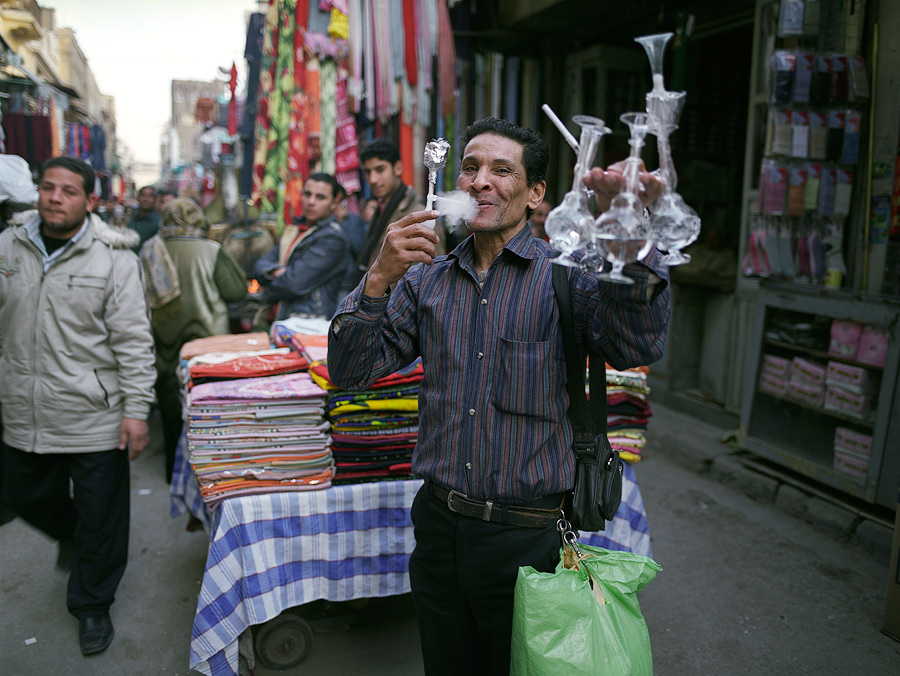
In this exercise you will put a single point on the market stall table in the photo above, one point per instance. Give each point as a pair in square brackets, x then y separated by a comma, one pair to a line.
[275, 551]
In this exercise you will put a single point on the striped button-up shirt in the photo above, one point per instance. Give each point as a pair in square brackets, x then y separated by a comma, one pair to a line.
[493, 403]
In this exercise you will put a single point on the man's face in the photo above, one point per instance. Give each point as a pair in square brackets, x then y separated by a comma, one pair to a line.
[492, 172]
[146, 199]
[318, 201]
[162, 201]
[382, 176]
[62, 202]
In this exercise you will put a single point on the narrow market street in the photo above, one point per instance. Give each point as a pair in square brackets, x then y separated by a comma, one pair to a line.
[745, 589]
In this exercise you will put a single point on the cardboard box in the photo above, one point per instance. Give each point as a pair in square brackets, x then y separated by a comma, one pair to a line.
[853, 378]
[844, 338]
[776, 366]
[891, 625]
[811, 395]
[873, 347]
[853, 442]
[774, 385]
[851, 465]
[844, 401]
[804, 370]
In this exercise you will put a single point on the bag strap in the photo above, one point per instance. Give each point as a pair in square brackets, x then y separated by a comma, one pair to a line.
[585, 422]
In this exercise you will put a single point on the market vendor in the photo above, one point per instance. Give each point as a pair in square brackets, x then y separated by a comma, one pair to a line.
[494, 443]
[302, 273]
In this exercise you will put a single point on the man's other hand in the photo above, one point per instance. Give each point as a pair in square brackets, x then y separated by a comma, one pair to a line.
[133, 435]
[406, 243]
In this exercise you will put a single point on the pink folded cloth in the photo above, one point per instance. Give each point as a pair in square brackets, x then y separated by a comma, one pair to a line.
[288, 386]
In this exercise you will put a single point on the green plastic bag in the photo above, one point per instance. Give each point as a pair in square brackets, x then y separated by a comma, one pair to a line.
[563, 625]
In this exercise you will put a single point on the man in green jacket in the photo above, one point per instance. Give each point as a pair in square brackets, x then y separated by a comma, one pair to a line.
[76, 385]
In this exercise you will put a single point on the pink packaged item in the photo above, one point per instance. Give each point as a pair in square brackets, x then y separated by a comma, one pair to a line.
[807, 371]
[844, 338]
[776, 366]
[850, 465]
[850, 441]
[771, 384]
[853, 378]
[873, 347]
[849, 403]
[806, 393]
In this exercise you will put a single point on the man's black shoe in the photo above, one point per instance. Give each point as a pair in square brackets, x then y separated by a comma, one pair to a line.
[95, 633]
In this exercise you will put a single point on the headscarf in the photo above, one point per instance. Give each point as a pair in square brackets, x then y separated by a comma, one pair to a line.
[183, 219]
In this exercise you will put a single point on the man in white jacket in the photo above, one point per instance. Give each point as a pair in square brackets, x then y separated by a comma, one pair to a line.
[76, 383]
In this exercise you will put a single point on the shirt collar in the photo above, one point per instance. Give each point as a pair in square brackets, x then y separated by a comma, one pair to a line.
[523, 245]
[33, 230]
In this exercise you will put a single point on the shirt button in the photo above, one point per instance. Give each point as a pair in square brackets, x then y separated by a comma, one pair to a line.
[484, 301]
[468, 465]
[480, 355]
[471, 411]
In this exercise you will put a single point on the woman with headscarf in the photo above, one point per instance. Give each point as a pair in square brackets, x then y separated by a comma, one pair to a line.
[190, 279]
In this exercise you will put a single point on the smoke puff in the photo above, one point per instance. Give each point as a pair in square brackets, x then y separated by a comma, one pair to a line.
[456, 207]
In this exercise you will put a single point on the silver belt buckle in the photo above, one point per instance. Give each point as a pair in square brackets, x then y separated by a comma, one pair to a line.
[450, 495]
[488, 507]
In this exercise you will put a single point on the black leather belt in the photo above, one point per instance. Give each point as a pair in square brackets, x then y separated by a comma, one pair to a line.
[488, 510]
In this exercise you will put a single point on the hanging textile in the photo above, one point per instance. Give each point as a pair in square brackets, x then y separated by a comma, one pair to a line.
[263, 195]
[55, 144]
[98, 148]
[346, 155]
[280, 106]
[446, 60]
[299, 136]
[253, 57]
[329, 113]
[409, 41]
[354, 55]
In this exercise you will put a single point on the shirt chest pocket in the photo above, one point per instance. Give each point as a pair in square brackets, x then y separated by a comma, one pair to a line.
[86, 283]
[525, 378]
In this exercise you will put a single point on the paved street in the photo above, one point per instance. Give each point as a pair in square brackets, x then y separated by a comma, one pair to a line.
[745, 589]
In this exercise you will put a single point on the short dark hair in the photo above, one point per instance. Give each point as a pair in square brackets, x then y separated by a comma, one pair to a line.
[381, 149]
[148, 187]
[535, 151]
[162, 192]
[72, 164]
[330, 180]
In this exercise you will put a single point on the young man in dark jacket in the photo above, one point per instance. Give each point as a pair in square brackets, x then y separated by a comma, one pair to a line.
[303, 272]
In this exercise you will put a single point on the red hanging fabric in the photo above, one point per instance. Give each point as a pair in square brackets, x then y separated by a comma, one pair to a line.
[346, 160]
[406, 150]
[298, 126]
[446, 61]
[409, 32]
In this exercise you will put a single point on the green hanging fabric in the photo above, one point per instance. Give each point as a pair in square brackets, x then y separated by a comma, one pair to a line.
[280, 112]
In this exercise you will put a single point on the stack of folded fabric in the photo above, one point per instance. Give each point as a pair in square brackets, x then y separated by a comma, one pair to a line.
[255, 420]
[627, 411]
[373, 431]
[306, 335]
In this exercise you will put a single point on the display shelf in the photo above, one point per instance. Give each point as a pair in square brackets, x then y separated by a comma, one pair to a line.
[822, 354]
[865, 422]
[801, 436]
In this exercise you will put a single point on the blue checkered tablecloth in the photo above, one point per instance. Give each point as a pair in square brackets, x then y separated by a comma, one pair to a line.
[274, 551]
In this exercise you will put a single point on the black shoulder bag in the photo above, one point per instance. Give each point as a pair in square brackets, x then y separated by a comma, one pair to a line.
[598, 468]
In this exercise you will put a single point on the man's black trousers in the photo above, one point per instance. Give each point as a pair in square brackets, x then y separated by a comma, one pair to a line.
[96, 517]
[463, 575]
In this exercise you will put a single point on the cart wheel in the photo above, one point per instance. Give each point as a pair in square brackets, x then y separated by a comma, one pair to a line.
[283, 642]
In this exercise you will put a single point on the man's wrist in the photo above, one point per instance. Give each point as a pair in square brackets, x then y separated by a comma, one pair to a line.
[375, 286]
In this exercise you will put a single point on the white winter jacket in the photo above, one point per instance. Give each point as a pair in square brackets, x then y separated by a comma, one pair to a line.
[76, 352]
